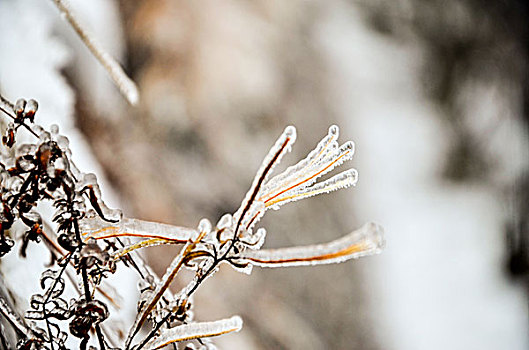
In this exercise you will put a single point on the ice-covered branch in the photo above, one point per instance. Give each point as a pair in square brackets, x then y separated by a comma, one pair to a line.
[367, 240]
[195, 331]
[126, 86]
[95, 227]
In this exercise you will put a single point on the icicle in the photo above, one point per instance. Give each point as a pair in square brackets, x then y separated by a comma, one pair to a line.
[195, 331]
[367, 240]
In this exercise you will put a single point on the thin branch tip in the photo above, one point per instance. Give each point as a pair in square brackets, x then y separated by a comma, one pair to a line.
[126, 85]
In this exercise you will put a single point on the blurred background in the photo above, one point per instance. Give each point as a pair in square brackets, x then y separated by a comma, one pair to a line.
[434, 94]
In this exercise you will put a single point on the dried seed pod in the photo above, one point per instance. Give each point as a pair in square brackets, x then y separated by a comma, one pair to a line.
[9, 138]
[31, 108]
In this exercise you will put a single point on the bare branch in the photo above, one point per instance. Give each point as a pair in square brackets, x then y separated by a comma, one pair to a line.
[367, 240]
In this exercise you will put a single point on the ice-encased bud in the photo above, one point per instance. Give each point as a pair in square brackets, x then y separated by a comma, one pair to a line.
[204, 226]
[31, 108]
[26, 149]
[19, 107]
[225, 227]
[37, 129]
[54, 128]
[60, 165]
[24, 156]
[225, 222]
[334, 130]
[45, 136]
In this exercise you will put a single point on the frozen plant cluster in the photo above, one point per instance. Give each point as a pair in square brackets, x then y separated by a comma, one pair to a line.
[87, 241]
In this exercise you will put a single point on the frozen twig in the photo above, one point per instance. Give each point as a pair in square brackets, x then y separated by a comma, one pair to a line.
[95, 227]
[127, 87]
[195, 331]
[367, 240]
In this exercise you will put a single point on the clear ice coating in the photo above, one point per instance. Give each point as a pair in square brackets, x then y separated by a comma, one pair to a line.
[224, 228]
[367, 240]
[95, 227]
[195, 331]
[253, 240]
[204, 226]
